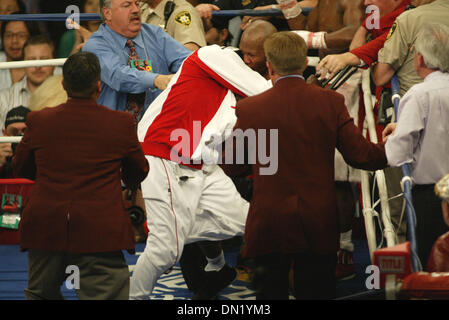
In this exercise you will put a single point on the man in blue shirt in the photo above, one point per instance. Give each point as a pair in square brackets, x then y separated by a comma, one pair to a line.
[161, 53]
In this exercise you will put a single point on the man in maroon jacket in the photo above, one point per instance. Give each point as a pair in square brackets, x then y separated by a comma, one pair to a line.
[330, 28]
[293, 213]
[74, 218]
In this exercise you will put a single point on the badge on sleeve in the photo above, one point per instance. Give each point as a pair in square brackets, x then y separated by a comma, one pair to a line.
[184, 18]
[394, 27]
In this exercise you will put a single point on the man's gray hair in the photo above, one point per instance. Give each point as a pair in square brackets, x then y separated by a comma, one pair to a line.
[433, 43]
[104, 3]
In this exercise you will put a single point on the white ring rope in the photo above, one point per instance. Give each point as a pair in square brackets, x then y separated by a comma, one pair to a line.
[32, 63]
[10, 139]
[405, 179]
[369, 124]
[395, 96]
[312, 62]
[368, 214]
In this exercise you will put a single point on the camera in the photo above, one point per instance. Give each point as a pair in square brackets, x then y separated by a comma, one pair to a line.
[7, 168]
[14, 147]
[137, 215]
[136, 212]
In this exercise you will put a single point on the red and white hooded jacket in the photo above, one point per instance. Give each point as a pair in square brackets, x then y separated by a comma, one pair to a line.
[197, 110]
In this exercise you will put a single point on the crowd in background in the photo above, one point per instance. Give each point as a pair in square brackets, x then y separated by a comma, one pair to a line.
[339, 32]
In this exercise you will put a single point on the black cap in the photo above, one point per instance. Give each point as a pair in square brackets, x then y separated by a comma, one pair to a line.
[17, 114]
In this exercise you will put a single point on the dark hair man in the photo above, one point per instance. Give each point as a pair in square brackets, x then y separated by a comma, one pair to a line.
[78, 153]
[217, 31]
[14, 126]
[14, 34]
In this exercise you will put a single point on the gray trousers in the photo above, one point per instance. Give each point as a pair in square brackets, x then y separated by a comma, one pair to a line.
[102, 276]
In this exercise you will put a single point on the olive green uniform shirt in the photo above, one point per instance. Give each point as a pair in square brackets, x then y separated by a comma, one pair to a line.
[184, 25]
[398, 48]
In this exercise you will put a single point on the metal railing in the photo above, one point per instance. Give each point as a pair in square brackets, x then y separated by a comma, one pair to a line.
[369, 209]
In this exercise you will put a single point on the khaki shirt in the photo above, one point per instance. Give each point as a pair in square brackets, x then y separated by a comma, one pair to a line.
[184, 25]
[398, 50]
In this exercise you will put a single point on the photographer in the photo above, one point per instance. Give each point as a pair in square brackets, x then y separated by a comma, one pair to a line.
[14, 126]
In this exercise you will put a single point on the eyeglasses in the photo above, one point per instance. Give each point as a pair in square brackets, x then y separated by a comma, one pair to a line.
[20, 36]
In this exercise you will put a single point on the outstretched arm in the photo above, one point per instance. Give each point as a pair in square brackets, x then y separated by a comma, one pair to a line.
[382, 73]
[359, 38]
[354, 13]
[300, 22]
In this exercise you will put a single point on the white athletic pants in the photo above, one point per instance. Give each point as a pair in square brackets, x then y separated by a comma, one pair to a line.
[183, 205]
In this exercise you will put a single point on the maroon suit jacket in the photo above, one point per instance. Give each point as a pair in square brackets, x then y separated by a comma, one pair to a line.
[77, 153]
[294, 210]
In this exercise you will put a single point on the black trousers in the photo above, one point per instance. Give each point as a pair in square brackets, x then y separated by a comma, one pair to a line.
[429, 219]
[314, 276]
[192, 264]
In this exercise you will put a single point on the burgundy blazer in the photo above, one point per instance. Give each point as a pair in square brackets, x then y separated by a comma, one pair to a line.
[77, 153]
[294, 209]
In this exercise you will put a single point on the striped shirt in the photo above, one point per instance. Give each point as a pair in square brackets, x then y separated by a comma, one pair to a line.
[17, 95]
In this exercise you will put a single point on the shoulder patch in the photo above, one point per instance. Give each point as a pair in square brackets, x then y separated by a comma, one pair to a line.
[394, 27]
[184, 18]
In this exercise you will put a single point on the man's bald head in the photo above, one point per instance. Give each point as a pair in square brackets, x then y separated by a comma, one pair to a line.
[259, 29]
[251, 45]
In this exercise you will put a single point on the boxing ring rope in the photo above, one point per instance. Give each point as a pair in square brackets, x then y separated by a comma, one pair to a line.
[62, 17]
[32, 63]
[369, 211]
[406, 184]
[313, 62]
[50, 17]
[10, 139]
[254, 13]
[55, 17]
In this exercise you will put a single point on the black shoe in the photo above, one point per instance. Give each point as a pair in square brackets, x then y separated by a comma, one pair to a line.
[215, 281]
